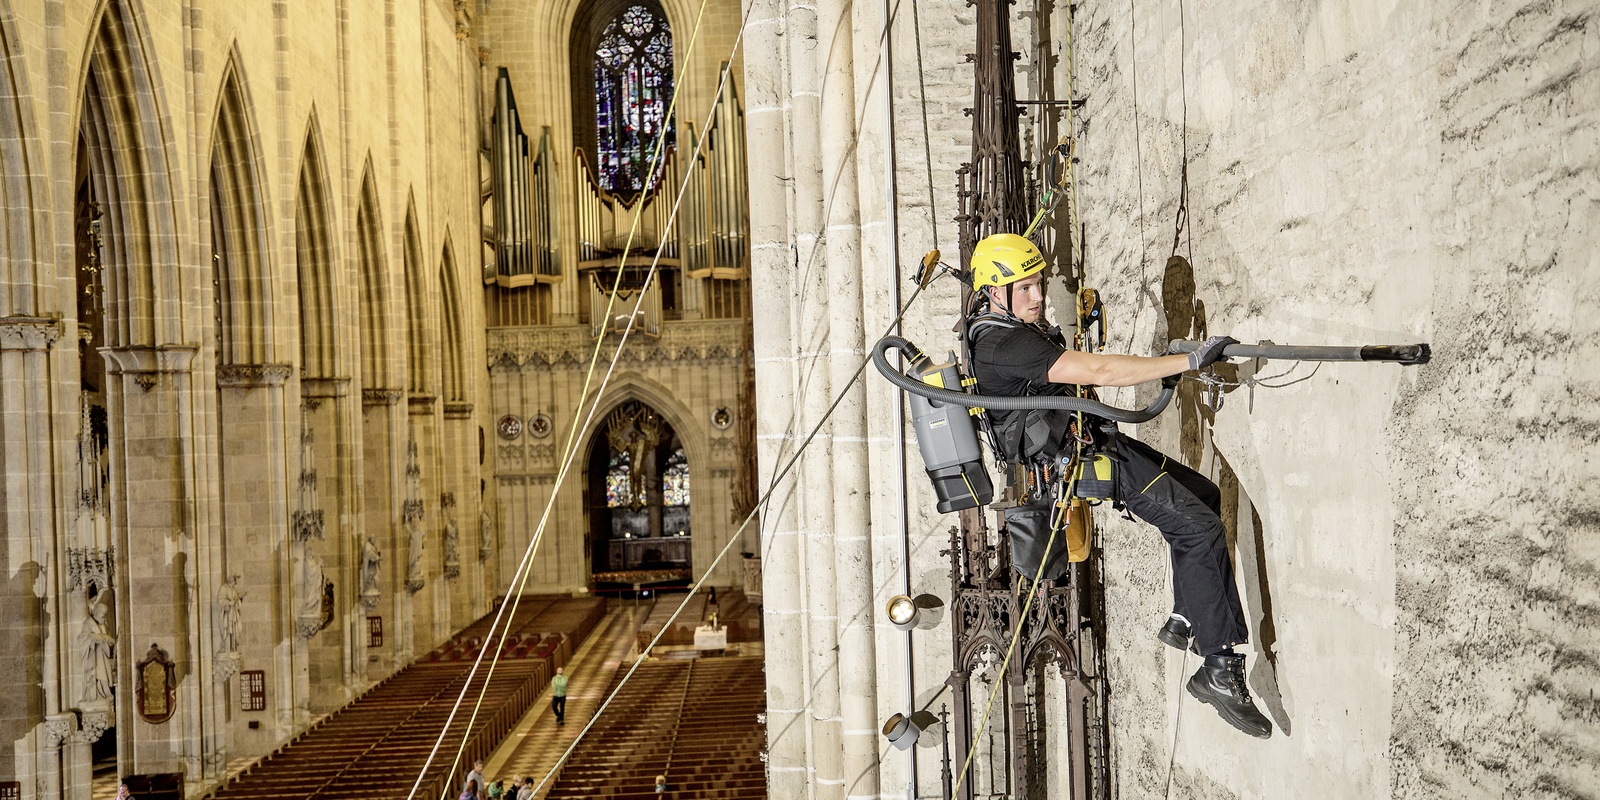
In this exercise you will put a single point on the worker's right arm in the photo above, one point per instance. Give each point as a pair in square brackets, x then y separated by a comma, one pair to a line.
[1108, 369]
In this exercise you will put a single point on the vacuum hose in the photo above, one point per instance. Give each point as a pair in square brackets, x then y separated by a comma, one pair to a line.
[1060, 402]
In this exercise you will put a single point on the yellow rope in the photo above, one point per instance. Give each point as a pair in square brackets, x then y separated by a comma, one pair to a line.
[1016, 633]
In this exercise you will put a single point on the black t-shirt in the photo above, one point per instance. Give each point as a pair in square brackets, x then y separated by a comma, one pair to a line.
[1014, 360]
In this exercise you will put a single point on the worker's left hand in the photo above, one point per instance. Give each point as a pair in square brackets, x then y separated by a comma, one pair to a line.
[1210, 352]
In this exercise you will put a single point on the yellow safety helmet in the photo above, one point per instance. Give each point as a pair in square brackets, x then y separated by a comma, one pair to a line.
[1004, 258]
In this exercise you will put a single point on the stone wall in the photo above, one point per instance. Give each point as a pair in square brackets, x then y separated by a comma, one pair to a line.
[1418, 566]
[690, 371]
[232, 325]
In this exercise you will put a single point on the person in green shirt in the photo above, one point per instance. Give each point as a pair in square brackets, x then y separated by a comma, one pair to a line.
[558, 696]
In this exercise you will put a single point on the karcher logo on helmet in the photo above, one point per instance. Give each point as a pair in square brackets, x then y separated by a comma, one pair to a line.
[1030, 263]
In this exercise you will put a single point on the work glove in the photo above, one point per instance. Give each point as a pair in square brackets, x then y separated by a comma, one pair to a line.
[1209, 352]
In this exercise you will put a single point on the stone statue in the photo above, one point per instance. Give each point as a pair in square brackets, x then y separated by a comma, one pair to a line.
[414, 579]
[371, 559]
[311, 580]
[230, 602]
[636, 430]
[485, 536]
[452, 545]
[99, 653]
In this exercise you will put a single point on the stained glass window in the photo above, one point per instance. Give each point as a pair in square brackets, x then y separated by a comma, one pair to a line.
[675, 480]
[632, 88]
[617, 485]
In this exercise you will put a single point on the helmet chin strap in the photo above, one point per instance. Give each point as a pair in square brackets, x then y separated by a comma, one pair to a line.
[1009, 297]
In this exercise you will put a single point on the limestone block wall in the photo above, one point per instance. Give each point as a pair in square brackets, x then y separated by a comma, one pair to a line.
[849, 185]
[218, 367]
[1414, 544]
[1411, 543]
[693, 369]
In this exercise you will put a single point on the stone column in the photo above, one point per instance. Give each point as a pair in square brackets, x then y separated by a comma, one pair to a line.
[33, 569]
[164, 539]
[774, 285]
[337, 656]
[814, 485]
[255, 434]
[382, 486]
[852, 526]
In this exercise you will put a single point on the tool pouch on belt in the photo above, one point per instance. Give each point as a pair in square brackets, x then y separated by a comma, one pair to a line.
[1029, 529]
[1095, 477]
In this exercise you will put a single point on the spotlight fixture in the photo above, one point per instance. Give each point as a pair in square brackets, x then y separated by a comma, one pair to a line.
[902, 731]
[910, 613]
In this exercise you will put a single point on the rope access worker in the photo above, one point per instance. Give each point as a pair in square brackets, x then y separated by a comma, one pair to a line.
[1014, 353]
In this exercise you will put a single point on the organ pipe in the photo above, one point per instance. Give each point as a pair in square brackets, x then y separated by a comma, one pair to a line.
[525, 200]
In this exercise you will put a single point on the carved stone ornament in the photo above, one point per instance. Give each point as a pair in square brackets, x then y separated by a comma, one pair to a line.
[721, 418]
[156, 695]
[146, 365]
[411, 510]
[96, 721]
[509, 427]
[570, 345]
[306, 627]
[91, 567]
[381, 397]
[421, 404]
[28, 333]
[58, 728]
[250, 376]
[540, 425]
[224, 666]
[308, 525]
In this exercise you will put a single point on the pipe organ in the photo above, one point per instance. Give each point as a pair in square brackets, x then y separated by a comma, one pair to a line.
[701, 253]
[525, 199]
[702, 256]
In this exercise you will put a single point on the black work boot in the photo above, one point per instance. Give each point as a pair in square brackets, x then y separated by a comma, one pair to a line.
[1219, 683]
[1177, 633]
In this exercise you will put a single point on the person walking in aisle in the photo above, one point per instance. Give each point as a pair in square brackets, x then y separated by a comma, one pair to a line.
[558, 696]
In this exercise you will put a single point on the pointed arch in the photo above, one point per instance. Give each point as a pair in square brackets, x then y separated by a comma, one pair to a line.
[419, 333]
[629, 385]
[130, 163]
[314, 259]
[454, 383]
[374, 289]
[239, 257]
[22, 284]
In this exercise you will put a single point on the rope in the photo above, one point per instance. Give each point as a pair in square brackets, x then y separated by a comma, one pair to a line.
[1181, 222]
[1138, 160]
[927, 136]
[1177, 721]
[520, 576]
[765, 499]
[1016, 633]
